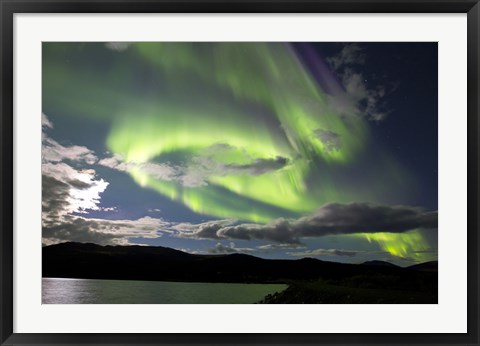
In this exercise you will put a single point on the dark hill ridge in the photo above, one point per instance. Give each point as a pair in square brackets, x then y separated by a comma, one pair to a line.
[78, 260]
[380, 263]
[426, 267]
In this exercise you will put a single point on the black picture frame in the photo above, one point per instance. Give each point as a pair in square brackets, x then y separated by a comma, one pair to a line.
[10, 7]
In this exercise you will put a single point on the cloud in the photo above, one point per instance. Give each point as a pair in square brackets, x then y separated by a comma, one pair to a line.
[365, 100]
[55, 198]
[67, 190]
[114, 162]
[197, 172]
[62, 198]
[359, 97]
[99, 231]
[257, 167]
[222, 249]
[330, 139]
[280, 246]
[45, 122]
[159, 171]
[52, 151]
[206, 230]
[162, 171]
[323, 252]
[89, 198]
[330, 219]
[280, 231]
[338, 218]
[350, 54]
[78, 184]
[113, 209]
[66, 173]
[80, 189]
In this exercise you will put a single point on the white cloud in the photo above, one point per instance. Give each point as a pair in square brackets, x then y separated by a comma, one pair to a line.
[79, 189]
[82, 200]
[113, 209]
[52, 151]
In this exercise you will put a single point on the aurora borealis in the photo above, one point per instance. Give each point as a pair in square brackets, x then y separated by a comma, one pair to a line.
[264, 148]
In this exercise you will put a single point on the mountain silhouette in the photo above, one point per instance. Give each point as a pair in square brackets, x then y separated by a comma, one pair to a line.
[426, 267]
[380, 263]
[91, 261]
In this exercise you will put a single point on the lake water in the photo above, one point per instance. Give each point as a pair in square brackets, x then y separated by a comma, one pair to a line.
[87, 291]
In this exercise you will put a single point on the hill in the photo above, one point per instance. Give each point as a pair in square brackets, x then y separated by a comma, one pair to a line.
[91, 261]
[426, 267]
[380, 263]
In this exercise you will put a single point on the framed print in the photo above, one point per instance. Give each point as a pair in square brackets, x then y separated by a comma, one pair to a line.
[250, 173]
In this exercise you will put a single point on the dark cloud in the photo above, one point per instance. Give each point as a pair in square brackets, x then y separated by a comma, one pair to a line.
[78, 184]
[55, 196]
[338, 218]
[78, 229]
[331, 219]
[351, 54]
[259, 166]
[280, 231]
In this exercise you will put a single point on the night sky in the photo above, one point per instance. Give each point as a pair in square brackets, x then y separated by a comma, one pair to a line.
[279, 150]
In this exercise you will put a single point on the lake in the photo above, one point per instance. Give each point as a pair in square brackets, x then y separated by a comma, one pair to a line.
[88, 291]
